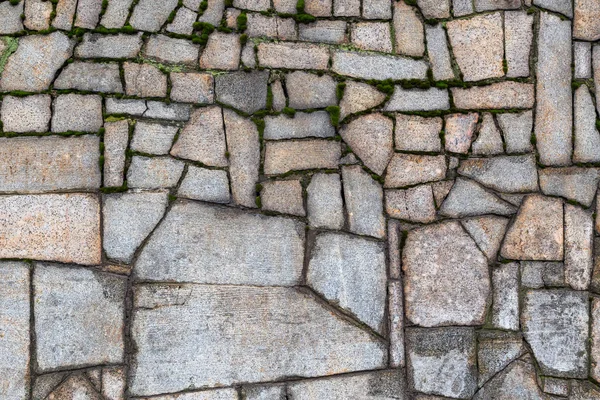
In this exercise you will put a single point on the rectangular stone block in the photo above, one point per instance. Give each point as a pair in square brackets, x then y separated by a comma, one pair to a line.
[375, 66]
[284, 156]
[293, 55]
[494, 96]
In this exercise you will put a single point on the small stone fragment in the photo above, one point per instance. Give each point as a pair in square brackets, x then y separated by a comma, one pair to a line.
[10, 17]
[582, 57]
[318, 8]
[396, 322]
[283, 196]
[37, 14]
[441, 190]
[205, 184]
[467, 198]
[113, 383]
[517, 131]
[439, 55]
[408, 30]
[285, 156]
[245, 91]
[324, 201]
[183, 23]
[171, 50]
[154, 172]
[293, 56]
[306, 90]
[116, 14]
[511, 174]
[501, 95]
[221, 52]
[488, 232]
[462, 7]
[496, 350]
[172, 111]
[490, 5]
[573, 183]
[434, 8]
[314, 124]
[376, 66]
[92, 77]
[26, 114]
[371, 138]
[75, 386]
[409, 169]
[323, 31]
[563, 7]
[489, 141]
[359, 97]
[116, 137]
[95, 45]
[517, 381]
[505, 303]
[418, 100]
[556, 386]
[88, 13]
[415, 204]
[459, 132]
[587, 137]
[150, 16]
[579, 245]
[364, 202]
[415, 133]
[375, 36]
[518, 31]
[144, 80]
[585, 22]
[192, 87]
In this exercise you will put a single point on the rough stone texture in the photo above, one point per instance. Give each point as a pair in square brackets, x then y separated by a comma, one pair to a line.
[364, 202]
[418, 100]
[518, 28]
[446, 277]
[150, 16]
[371, 138]
[585, 23]
[582, 57]
[415, 204]
[285, 156]
[408, 30]
[516, 129]
[323, 31]
[88, 13]
[439, 55]
[283, 196]
[467, 198]
[78, 113]
[154, 172]
[93, 77]
[242, 90]
[152, 138]
[563, 7]
[375, 36]
[579, 245]
[205, 184]
[116, 14]
[434, 8]
[144, 80]
[170, 50]
[488, 232]
[26, 114]
[293, 56]
[595, 339]
[310, 91]
[505, 303]
[10, 17]
[496, 351]
[572, 183]
[586, 138]
[489, 141]
[359, 97]
[221, 52]
[512, 174]
[315, 124]
[376, 66]
[495, 96]
[96, 45]
[183, 23]
[517, 381]
[459, 132]
[324, 201]
[116, 136]
[379, 385]
[37, 14]
[408, 170]
[414, 133]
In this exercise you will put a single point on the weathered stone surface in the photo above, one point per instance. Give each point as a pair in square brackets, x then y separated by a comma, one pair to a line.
[587, 137]
[75, 386]
[554, 116]
[409, 169]
[172, 111]
[113, 383]
[517, 131]
[150, 16]
[310, 91]
[434, 8]
[88, 13]
[116, 14]
[376, 66]
[285, 156]
[96, 45]
[505, 302]
[293, 56]
[418, 100]
[93, 77]
[487, 232]
[171, 50]
[116, 137]
[595, 339]
[79, 316]
[154, 172]
[283, 196]
[415, 204]
[324, 201]
[153, 138]
[359, 97]
[221, 52]
[557, 386]
[446, 277]
[489, 140]
[396, 323]
[315, 124]
[518, 31]
[214, 12]
[555, 324]
[439, 55]
[581, 390]
[14, 318]
[478, 46]
[78, 113]
[572, 183]
[512, 174]
[490, 5]
[453, 349]
[37, 14]
[459, 132]
[10, 17]
[33, 65]
[125, 106]
[517, 381]
[246, 91]
[128, 220]
[312, 340]
[205, 184]
[582, 58]
[364, 202]
[371, 138]
[467, 198]
[414, 133]
[183, 23]
[408, 30]
[254, 5]
[462, 7]
[537, 274]
[441, 190]
[144, 80]
[585, 23]
[215, 394]
[26, 114]
[323, 31]
[563, 7]
[579, 245]
[375, 36]
[499, 95]
[496, 350]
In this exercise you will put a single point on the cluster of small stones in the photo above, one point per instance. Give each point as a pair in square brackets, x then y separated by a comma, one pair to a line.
[301, 200]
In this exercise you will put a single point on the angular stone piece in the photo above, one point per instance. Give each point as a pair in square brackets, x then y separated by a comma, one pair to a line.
[364, 202]
[92, 77]
[418, 100]
[375, 385]
[587, 137]
[375, 36]
[283, 196]
[171, 50]
[192, 87]
[323, 31]
[499, 95]
[76, 386]
[116, 137]
[183, 23]
[171, 111]
[518, 31]
[505, 303]
[490, 5]
[10, 17]
[439, 55]
[205, 184]
[579, 246]
[371, 138]
[285, 156]
[314, 124]
[517, 131]
[581, 390]
[459, 132]
[324, 201]
[154, 172]
[26, 114]
[116, 14]
[572, 183]
[557, 386]
[153, 138]
[359, 97]
[434, 8]
[214, 13]
[497, 350]
[467, 198]
[310, 91]
[415, 133]
[95, 45]
[79, 316]
[128, 220]
[585, 23]
[312, 340]
[396, 323]
[125, 106]
[554, 109]
[489, 141]
[442, 361]
[293, 56]
[78, 113]
[377, 66]
[488, 232]
[33, 65]
[88, 13]
[410, 169]
[517, 381]
[595, 339]
[555, 324]
[446, 277]
[254, 5]
[144, 80]
[511, 174]
[245, 91]
[113, 383]
[563, 7]
[582, 57]
[318, 8]
[408, 30]
[221, 52]
[37, 14]
[415, 204]
[150, 16]
[462, 7]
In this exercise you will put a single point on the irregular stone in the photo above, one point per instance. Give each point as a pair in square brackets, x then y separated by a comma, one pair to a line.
[517, 381]
[14, 318]
[587, 137]
[554, 108]
[512, 174]
[116, 14]
[92, 77]
[582, 57]
[559, 387]
[411, 169]
[415, 204]
[462, 7]
[442, 361]
[490, 5]
[533, 273]
[517, 131]
[248, 56]
[497, 350]
[154, 172]
[285, 156]
[315, 124]
[183, 23]
[244, 157]
[221, 52]
[323, 31]
[44, 384]
[488, 232]
[467, 198]
[418, 100]
[415, 133]
[79, 316]
[585, 22]
[371, 138]
[113, 383]
[408, 30]
[261, 25]
[324, 201]
[283, 196]
[144, 80]
[581, 390]
[310, 91]
[555, 324]
[150, 17]
[192, 87]
[377, 9]
[554, 274]
[595, 339]
[441, 190]
[396, 322]
[271, 392]
[364, 201]
[78, 113]
[171, 111]
[318, 8]
[572, 183]
[518, 31]
[505, 294]
[254, 5]
[501, 95]
[116, 137]
[88, 13]
[26, 114]
[205, 184]
[313, 341]
[376, 66]
[95, 45]
[245, 91]
[446, 277]
[170, 50]
[202, 138]
[359, 97]
[33, 65]
[153, 138]
[285, 6]
[434, 8]
[213, 13]
[579, 244]
[125, 106]
[439, 55]
[459, 132]
[489, 141]
[76, 386]
[37, 14]
[10, 17]
[478, 46]
[293, 55]
[563, 7]
[374, 36]
[216, 394]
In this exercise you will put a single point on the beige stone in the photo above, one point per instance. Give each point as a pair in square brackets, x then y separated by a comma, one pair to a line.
[284, 156]
[497, 95]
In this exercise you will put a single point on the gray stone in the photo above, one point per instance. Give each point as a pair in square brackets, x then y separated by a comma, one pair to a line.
[271, 392]
[171, 50]
[414, 133]
[490, 5]
[537, 274]
[37, 14]
[172, 111]
[76, 112]
[393, 241]
[501, 95]
[324, 201]
[153, 138]
[221, 52]
[364, 202]
[517, 131]
[446, 277]
[150, 16]
[95, 45]
[359, 97]
[496, 351]
[374, 36]
[26, 114]
[487, 232]
[79, 317]
[293, 56]
[283, 196]
[213, 13]
[116, 138]
[377, 66]
[587, 137]
[585, 23]
[254, 5]
[183, 23]
[33, 65]
[511, 174]
[285, 6]
[259, 25]
[518, 31]
[517, 381]
[555, 324]
[154, 172]
[310, 91]
[248, 57]
[323, 31]
[582, 57]
[75, 386]
[559, 387]
[560, 6]
[244, 157]
[144, 80]
[125, 106]
[442, 361]
[312, 341]
[441, 190]
[318, 8]
[505, 296]
[128, 220]
[537, 233]
[594, 339]
[434, 8]
[467, 198]
[462, 7]
[215, 394]
[88, 13]
[44, 384]
[14, 318]
[377, 9]
[51, 163]
[192, 87]
[415, 204]
[411, 169]
[92, 77]
[579, 246]
[371, 138]
[459, 132]
[418, 100]
[489, 140]
[375, 385]
[581, 390]
[439, 55]
[202, 138]
[554, 108]
[285, 156]
[408, 30]
[205, 184]
[315, 124]
[113, 383]
[572, 183]
[116, 14]
[10, 17]
[245, 91]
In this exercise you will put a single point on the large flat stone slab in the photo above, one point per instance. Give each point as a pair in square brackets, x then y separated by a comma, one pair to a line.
[207, 244]
[193, 336]
[375, 66]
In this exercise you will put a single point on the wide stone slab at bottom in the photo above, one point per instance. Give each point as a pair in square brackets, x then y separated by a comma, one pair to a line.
[196, 336]
[207, 244]
[53, 227]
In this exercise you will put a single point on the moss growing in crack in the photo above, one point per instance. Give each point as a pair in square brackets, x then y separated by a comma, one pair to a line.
[128, 29]
[300, 6]
[115, 189]
[289, 111]
[172, 198]
[334, 114]
[269, 97]
[228, 3]
[339, 90]
[441, 85]
[258, 202]
[533, 139]
[14, 2]
[575, 85]
[415, 84]
[242, 22]
[11, 46]
[243, 39]
[386, 87]
[504, 66]
[203, 7]
[304, 18]
[411, 2]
